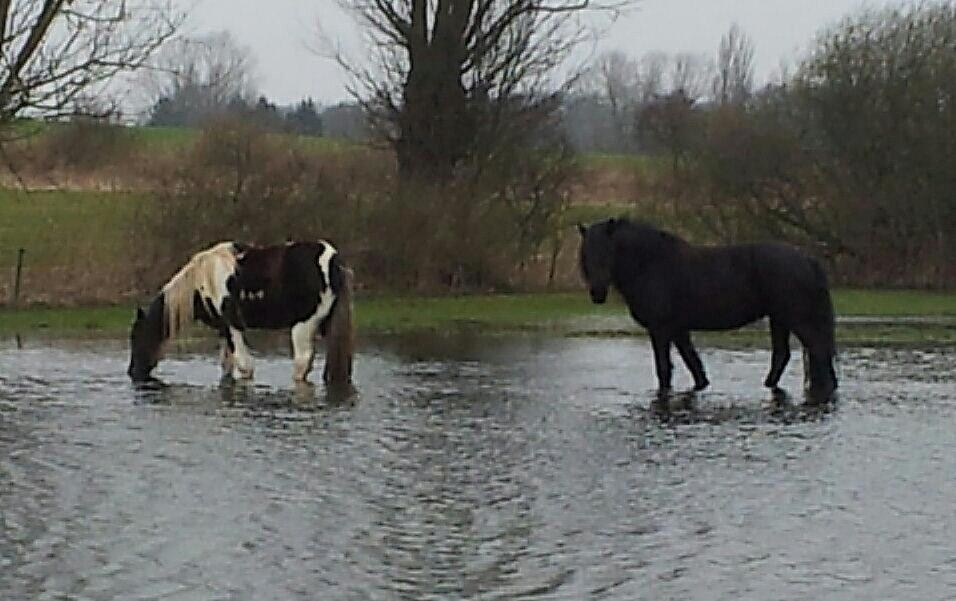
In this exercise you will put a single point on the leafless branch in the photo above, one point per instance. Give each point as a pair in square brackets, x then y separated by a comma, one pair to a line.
[55, 54]
[448, 75]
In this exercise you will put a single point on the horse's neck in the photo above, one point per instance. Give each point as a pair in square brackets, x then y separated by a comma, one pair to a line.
[644, 249]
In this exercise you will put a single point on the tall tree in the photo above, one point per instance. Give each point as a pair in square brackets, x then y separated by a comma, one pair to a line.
[454, 79]
[689, 74]
[733, 82]
[55, 55]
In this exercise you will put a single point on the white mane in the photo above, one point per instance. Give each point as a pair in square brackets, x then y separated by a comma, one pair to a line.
[206, 273]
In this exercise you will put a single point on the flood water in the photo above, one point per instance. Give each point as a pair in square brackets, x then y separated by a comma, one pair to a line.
[475, 468]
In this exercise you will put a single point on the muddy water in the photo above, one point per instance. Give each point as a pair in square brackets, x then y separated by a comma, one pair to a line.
[485, 468]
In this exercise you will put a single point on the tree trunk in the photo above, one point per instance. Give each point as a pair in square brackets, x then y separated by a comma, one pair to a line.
[436, 130]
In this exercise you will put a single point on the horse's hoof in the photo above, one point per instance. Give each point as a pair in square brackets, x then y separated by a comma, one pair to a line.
[701, 385]
[820, 395]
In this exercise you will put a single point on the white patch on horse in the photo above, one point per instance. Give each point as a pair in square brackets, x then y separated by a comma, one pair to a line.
[303, 333]
[242, 358]
[326, 299]
[226, 360]
[302, 351]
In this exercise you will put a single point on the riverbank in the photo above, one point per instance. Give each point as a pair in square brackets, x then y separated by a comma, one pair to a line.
[864, 317]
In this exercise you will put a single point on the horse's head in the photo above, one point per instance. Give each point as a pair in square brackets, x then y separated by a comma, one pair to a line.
[146, 339]
[597, 254]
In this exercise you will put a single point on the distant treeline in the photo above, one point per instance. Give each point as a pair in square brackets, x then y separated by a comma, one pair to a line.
[187, 109]
[850, 156]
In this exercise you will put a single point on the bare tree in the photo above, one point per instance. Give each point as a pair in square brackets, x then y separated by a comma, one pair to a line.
[650, 81]
[601, 113]
[56, 55]
[453, 79]
[195, 78]
[734, 80]
[689, 75]
[669, 124]
[617, 77]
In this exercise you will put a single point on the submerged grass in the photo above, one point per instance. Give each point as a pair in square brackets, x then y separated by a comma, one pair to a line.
[568, 313]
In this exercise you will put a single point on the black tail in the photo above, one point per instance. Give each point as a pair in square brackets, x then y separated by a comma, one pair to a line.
[339, 331]
[822, 349]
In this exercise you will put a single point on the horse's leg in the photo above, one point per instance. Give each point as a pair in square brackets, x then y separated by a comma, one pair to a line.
[822, 375]
[662, 359]
[303, 334]
[780, 354]
[243, 368]
[691, 359]
[226, 358]
[818, 363]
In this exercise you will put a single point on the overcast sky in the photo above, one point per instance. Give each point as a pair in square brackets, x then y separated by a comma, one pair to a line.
[279, 33]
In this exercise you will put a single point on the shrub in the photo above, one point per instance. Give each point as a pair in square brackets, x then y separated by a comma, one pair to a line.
[481, 231]
[84, 144]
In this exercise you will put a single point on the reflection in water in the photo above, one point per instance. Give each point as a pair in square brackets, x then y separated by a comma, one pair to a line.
[686, 408]
[474, 468]
[232, 394]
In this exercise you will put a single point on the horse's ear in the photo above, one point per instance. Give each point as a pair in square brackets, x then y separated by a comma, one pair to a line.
[582, 230]
[140, 314]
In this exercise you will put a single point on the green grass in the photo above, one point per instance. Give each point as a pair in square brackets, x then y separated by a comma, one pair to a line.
[173, 139]
[23, 128]
[621, 161]
[544, 312]
[57, 227]
[180, 139]
[379, 315]
[66, 321]
[893, 303]
[164, 139]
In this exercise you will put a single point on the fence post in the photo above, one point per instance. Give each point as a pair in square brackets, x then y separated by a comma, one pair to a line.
[16, 279]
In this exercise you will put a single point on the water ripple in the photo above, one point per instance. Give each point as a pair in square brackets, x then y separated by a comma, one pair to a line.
[478, 468]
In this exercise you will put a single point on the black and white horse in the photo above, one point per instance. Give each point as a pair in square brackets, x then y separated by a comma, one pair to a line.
[231, 287]
[672, 288]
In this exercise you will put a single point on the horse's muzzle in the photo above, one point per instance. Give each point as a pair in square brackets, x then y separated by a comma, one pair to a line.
[598, 295]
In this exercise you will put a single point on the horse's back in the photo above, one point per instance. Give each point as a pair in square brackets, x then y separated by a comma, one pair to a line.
[282, 283]
[725, 287]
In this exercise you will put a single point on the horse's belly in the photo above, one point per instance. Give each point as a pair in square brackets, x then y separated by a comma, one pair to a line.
[728, 319]
[721, 325]
[275, 315]
[264, 316]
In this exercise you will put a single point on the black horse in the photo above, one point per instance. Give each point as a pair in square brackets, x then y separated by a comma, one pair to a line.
[672, 288]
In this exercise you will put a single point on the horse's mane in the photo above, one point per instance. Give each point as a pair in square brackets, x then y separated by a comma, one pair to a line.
[197, 275]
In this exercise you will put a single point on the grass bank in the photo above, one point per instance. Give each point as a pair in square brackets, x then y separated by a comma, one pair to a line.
[58, 227]
[866, 317]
